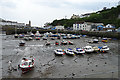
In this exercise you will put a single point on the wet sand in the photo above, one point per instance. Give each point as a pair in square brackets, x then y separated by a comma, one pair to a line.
[47, 65]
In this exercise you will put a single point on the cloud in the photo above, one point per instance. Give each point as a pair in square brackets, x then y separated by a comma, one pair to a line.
[42, 11]
[7, 3]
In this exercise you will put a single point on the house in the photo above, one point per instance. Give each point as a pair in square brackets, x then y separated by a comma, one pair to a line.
[75, 16]
[85, 26]
[109, 27]
[118, 30]
[100, 27]
[59, 27]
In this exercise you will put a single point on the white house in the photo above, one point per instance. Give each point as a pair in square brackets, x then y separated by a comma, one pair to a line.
[108, 26]
[82, 26]
[59, 27]
[11, 23]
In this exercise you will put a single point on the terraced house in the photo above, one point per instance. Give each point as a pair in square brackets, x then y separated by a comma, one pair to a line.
[85, 26]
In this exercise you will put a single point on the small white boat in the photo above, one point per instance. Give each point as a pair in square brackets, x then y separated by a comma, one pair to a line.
[95, 40]
[63, 42]
[22, 43]
[104, 49]
[69, 51]
[26, 64]
[70, 42]
[31, 34]
[16, 35]
[47, 43]
[96, 49]
[79, 51]
[88, 49]
[59, 52]
[30, 38]
[26, 38]
[37, 34]
[44, 38]
[21, 36]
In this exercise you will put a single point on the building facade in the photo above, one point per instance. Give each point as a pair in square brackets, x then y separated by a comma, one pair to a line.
[82, 26]
[86, 26]
[75, 16]
[59, 27]
[11, 23]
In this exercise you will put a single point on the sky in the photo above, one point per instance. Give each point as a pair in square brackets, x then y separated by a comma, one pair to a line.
[42, 11]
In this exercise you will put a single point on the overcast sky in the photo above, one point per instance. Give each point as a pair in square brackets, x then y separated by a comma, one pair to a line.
[42, 11]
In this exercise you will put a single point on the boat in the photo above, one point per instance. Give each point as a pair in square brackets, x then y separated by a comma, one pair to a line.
[90, 41]
[56, 43]
[70, 43]
[30, 38]
[104, 49]
[79, 51]
[37, 38]
[37, 34]
[58, 37]
[58, 52]
[69, 51]
[64, 37]
[44, 38]
[73, 37]
[88, 49]
[21, 36]
[16, 35]
[31, 34]
[47, 43]
[63, 42]
[52, 38]
[96, 49]
[26, 64]
[22, 43]
[95, 40]
[26, 38]
[104, 40]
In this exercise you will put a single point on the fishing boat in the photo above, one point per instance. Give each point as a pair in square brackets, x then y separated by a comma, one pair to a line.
[69, 51]
[31, 34]
[47, 43]
[104, 40]
[16, 35]
[90, 41]
[44, 38]
[70, 42]
[104, 49]
[37, 34]
[56, 43]
[30, 38]
[88, 49]
[27, 64]
[22, 43]
[52, 38]
[96, 49]
[63, 42]
[37, 38]
[26, 38]
[79, 51]
[95, 40]
[58, 52]
[21, 36]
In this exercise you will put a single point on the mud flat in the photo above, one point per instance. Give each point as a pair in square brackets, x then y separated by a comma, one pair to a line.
[47, 65]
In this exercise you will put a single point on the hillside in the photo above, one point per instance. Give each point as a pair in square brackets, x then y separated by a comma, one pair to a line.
[108, 16]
